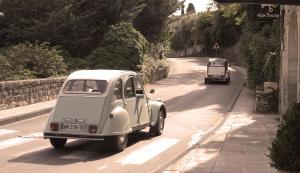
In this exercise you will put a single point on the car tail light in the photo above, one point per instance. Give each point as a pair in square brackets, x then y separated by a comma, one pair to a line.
[92, 128]
[54, 126]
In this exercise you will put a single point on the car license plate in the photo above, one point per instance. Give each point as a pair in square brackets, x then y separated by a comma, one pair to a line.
[75, 127]
[217, 76]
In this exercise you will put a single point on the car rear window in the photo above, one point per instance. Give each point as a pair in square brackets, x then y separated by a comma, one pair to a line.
[217, 63]
[85, 86]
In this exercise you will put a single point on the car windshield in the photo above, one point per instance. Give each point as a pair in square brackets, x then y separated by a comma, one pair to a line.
[85, 86]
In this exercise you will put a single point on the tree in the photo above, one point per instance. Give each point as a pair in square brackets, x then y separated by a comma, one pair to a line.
[123, 48]
[205, 28]
[182, 7]
[19, 18]
[76, 25]
[191, 8]
[152, 22]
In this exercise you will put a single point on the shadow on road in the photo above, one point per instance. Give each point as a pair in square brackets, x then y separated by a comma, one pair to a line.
[189, 96]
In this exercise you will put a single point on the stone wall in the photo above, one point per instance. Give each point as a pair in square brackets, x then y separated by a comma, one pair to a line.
[191, 51]
[156, 75]
[266, 99]
[21, 93]
[25, 92]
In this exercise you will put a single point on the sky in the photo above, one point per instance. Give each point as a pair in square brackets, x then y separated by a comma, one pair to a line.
[200, 5]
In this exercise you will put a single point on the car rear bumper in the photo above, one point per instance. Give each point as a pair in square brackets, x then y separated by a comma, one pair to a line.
[50, 134]
[217, 78]
[74, 136]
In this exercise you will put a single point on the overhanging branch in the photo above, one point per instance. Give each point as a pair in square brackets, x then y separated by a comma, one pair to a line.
[280, 2]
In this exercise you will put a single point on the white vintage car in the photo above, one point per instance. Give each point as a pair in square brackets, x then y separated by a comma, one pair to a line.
[217, 70]
[103, 105]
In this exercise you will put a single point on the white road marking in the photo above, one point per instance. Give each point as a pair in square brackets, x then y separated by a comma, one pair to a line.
[148, 152]
[6, 132]
[102, 167]
[33, 135]
[39, 148]
[19, 140]
[196, 138]
[77, 155]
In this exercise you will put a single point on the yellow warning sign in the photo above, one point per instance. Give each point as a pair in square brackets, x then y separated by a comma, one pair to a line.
[216, 46]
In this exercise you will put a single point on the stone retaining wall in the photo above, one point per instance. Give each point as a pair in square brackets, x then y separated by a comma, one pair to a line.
[20, 93]
[267, 99]
[25, 92]
[157, 75]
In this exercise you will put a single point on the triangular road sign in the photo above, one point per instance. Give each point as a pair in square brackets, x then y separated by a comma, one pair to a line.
[216, 46]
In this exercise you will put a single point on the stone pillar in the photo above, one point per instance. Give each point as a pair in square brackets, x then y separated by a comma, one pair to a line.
[289, 89]
[283, 62]
[298, 48]
[292, 79]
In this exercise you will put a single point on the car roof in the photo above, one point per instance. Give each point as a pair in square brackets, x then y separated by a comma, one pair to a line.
[217, 59]
[98, 74]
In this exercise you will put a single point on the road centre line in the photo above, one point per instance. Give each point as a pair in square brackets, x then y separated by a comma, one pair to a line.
[19, 140]
[148, 152]
[6, 132]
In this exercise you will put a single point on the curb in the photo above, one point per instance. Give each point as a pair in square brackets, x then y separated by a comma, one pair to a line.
[24, 116]
[207, 135]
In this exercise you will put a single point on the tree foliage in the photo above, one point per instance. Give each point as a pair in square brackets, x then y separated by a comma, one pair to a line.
[206, 28]
[26, 61]
[152, 22]
[123, 48]
[77, 25]
[261, 51]
[82, 28]
[191, 8]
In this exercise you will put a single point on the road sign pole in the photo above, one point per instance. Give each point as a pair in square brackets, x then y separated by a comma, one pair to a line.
[216, 48]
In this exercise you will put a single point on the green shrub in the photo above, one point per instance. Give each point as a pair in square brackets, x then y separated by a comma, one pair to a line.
[285, 150]
[271, 68]
[25, 61]
[123, 48]
[71, 62]
[150, 67]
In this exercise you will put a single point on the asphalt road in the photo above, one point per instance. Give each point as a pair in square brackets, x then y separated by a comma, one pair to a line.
[193, 109]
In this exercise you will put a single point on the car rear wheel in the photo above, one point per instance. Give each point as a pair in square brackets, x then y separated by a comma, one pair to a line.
[118, 143]
[58, 142]
[159, 127]
[227, 81]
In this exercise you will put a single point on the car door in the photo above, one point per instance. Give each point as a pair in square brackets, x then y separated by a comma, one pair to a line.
[130, 100]
[142, 104]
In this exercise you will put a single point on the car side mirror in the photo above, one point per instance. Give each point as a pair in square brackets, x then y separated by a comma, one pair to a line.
[139, 96]
[152, 91]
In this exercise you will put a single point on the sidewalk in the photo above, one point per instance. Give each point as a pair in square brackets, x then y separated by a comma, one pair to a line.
[239, 146]
[24, 112]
